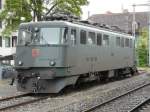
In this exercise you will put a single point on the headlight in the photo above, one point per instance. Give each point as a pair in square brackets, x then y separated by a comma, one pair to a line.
[52, 63]
[20, 63]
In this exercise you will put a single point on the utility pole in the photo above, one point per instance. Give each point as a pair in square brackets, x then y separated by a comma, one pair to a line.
[134, 22]
[88, 14]
[134, 26]
[149, 35]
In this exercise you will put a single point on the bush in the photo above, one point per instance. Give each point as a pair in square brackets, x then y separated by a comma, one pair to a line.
[142, 47]
[142, 57]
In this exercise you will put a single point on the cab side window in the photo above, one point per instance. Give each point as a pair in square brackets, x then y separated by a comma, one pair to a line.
[99, 39]
[91, 38]
[118, 43]
[65, 35]
[122, 42]
[131, 43]
[127, 42]
[82, 37]
[73, 36]
[106, 40]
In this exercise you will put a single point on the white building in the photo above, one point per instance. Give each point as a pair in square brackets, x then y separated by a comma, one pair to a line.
[7, 44]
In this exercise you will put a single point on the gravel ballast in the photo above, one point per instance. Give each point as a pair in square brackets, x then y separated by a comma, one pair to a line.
[80, 100]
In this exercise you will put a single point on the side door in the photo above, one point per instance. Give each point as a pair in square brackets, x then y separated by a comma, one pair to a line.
[72, 54]
[91, 43]
[106, 51]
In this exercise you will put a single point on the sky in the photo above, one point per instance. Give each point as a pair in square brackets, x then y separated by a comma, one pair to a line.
[114, 6]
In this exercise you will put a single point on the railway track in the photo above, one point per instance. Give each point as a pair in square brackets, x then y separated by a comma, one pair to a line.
[18, 100]
[11, 97]
[140, 106]
[94, 108]
[23, 103]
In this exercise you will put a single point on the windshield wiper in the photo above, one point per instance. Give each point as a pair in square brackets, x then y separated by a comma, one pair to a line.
[27, 43]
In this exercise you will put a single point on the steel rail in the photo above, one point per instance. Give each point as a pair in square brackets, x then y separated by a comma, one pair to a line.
[13, 97]
[114, 98]
[137, 107]
[23, 103]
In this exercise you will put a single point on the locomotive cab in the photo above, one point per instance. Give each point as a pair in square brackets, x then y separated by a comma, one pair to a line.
[41, 47]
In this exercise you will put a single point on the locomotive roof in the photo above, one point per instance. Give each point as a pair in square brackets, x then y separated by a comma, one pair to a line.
[73, 24]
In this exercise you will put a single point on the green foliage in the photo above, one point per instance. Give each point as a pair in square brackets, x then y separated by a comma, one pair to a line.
[15, 10]
[71, 6]
[142, 47]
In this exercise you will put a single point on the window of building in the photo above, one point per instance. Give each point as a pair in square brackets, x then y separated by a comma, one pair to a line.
[91, 38]
[73, 36]
[14, 41]
[7, 41]
[0, 24]
[0, 4]
[130, 43]
[127, 42]
[122, 42]
[118, 43]
[0, 41]
[83, 37]
[105, 40]
[99, 39]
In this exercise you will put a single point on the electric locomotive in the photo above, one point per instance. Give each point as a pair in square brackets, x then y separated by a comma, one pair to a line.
[51, 55]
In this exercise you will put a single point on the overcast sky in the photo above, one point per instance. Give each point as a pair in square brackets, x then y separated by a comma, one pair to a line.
[115, 6]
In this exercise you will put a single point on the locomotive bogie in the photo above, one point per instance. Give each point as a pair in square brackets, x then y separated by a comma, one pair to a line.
[35, 85]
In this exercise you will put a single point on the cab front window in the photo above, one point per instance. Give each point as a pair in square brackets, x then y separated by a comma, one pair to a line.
[48, 35]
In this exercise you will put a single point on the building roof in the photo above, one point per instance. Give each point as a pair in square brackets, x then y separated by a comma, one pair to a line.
[122, 20]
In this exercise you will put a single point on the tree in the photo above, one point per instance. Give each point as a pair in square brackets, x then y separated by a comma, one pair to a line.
[14, 11]
[17, 11]
[142, 47]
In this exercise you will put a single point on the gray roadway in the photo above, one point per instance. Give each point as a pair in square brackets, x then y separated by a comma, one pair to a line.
[6, 89]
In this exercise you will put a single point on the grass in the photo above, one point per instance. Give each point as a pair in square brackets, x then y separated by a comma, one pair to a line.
[144, 68]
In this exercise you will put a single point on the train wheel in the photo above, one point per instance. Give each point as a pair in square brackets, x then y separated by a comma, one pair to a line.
[134, 71]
